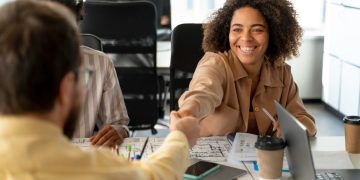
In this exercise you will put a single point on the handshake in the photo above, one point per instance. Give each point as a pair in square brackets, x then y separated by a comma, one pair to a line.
[189, 125]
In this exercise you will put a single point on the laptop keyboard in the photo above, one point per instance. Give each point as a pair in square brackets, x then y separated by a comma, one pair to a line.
[328, 176]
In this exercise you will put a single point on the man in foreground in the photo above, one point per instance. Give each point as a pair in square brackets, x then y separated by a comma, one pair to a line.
[40, 97]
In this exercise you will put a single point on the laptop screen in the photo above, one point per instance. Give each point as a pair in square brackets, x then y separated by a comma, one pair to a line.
[298, 152]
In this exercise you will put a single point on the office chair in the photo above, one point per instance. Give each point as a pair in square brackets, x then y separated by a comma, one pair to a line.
[186, 52]
[91, 41]
[129, 29]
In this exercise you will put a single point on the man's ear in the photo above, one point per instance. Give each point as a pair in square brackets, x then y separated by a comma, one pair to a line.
[66, 89]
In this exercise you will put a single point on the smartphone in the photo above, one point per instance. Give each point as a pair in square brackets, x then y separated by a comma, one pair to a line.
[200, 170]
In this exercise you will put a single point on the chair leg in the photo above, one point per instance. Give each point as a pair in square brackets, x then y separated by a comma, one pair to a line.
[163, 123]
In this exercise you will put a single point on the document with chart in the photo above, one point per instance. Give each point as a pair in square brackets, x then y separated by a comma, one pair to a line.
[215, 149]
[243, 148]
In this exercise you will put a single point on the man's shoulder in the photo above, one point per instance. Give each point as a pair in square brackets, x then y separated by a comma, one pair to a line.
[93, 52]
[92, 56]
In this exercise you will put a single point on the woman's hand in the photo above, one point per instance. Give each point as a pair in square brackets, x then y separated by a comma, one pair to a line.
[276, 129]
[189, 125]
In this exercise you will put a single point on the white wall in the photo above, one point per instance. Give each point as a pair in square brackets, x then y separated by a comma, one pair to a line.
[307, 67]
[310, 12]
[341, 75]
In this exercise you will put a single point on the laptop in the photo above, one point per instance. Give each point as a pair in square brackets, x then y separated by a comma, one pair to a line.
[298, 151]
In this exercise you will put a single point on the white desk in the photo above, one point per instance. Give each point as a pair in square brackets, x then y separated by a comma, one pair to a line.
[324, 144]
[163, 54]
[333, 143]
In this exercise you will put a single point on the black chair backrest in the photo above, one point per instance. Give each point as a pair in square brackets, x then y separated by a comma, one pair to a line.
[124, 26]
[129, 27]
[91, 41]
[186, 52]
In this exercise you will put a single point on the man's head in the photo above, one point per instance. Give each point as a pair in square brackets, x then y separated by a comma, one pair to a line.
[39, 60]
[76, 6]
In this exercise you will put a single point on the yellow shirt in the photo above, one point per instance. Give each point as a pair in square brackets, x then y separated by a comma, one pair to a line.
[37, 149]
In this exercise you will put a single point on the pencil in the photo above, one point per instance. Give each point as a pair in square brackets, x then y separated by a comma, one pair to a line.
[143, 148]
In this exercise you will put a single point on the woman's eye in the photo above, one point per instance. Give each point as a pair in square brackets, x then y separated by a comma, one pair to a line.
[236, 30]
[258, 30]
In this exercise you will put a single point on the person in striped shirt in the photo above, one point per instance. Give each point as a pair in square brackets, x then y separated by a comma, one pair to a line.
[104, 105]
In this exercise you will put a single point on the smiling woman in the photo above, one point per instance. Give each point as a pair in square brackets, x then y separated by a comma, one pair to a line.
[243, 70]
[249, 36]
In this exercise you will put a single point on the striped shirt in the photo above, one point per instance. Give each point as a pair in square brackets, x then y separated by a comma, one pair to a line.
[104, 102]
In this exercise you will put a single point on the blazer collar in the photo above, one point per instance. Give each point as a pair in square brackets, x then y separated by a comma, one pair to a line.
[270, 75]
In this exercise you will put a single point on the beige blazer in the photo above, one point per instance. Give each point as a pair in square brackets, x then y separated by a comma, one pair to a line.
[219, 94]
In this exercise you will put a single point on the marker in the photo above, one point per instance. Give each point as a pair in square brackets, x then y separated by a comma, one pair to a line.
[137, 157]
[129, 150]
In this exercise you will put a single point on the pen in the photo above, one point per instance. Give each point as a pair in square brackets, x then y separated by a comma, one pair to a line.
[268, 115]
[143, 148]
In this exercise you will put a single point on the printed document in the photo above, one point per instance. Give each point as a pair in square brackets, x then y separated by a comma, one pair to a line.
[243, 148]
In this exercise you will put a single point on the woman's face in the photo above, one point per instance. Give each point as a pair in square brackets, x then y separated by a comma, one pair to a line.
[249, 35]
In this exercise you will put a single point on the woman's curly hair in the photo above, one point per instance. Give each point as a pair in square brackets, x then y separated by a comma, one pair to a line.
[284, 31]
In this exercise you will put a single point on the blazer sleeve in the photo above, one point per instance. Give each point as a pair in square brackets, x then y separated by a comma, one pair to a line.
[293, 103]
[205, 91]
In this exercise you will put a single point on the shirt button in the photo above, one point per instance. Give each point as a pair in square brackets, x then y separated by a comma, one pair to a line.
[257, 109]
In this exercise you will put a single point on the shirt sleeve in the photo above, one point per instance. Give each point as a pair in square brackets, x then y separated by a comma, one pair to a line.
[168, 162]
[206, 87]
[112, 109]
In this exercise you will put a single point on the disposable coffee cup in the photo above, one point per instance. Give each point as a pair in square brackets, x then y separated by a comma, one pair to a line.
[352, 133]
[270, 154]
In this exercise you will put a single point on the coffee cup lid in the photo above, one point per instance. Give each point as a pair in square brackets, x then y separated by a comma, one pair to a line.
[352, 120]
[270, 143]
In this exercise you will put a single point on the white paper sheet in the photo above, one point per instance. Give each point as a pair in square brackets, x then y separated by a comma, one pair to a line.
[243, 148]
[215, 149]
[83, 143]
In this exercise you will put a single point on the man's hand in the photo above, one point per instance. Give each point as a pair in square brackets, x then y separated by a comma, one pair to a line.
[189, 125]
[107, 136]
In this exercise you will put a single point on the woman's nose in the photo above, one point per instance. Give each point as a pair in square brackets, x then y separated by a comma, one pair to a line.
[246, 36]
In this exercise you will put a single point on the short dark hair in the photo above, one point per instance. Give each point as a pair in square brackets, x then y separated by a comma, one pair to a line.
[284, 31]
[39, 45]
[76, 6]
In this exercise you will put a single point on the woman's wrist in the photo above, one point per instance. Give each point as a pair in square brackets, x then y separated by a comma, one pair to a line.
[185, 113]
